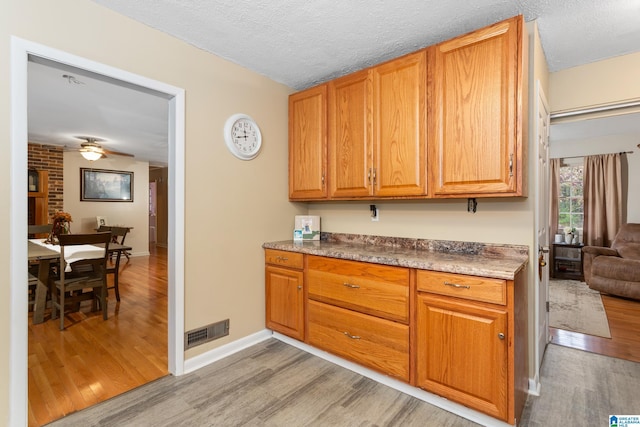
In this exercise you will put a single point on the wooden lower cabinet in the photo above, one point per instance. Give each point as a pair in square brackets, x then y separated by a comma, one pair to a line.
[471, 341]
[373, 342]
[462, 353]
[458, 336]
[285, 293]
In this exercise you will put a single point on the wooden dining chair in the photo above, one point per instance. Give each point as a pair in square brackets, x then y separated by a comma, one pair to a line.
[32, 284]
[33, 232]
[87, 279]
[118, 235]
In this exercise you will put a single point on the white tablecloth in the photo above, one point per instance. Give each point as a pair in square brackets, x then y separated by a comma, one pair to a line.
[74, 253]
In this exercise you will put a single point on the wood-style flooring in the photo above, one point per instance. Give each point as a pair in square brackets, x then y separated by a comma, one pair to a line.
[93, 360]
[624, 323]
[272, 384]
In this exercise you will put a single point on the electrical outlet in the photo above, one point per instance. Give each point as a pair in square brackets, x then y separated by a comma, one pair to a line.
[375, 214]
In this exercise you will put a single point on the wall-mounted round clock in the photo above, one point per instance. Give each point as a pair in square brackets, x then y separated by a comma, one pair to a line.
[242, 136]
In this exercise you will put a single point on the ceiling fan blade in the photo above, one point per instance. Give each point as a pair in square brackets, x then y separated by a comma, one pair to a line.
[116, 153]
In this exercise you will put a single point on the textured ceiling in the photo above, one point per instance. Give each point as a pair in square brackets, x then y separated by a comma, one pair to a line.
[301, 43]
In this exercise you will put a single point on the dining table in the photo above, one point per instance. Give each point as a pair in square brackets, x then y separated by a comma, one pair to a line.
[44, 254]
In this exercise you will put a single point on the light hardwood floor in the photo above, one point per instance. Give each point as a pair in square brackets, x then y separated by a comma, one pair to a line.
[624, 323]
[93, 360]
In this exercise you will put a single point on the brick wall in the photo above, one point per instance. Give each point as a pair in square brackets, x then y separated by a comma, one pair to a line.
[49, 158]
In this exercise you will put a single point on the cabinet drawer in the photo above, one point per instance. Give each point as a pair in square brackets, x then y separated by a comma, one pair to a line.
[461, 286]
[284, 258]
[376, 343]
[368, 288]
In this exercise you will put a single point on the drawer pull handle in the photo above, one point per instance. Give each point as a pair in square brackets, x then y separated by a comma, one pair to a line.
[282, 258]
[353, 337]
[456, 285]
[351, 285]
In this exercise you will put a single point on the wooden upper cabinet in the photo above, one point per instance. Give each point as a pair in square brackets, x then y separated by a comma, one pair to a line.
[448, 121]
[476, 96]
[350, 136]
[308, 144]
[400, 121]
[377, 122]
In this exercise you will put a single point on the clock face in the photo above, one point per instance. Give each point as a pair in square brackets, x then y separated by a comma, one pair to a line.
[242, 136]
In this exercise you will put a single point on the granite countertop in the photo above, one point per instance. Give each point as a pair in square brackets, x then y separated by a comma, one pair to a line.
[477, 259]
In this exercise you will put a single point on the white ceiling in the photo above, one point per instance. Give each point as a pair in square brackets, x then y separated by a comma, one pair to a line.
[60, 109]
[301, 44]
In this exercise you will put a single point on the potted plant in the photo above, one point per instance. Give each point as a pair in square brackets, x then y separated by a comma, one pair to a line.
[568, 234]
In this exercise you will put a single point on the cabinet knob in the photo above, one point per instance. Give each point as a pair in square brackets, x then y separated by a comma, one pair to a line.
[299, 287]
[501, 335]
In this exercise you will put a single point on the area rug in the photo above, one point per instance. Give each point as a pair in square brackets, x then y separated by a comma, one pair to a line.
[573, 306]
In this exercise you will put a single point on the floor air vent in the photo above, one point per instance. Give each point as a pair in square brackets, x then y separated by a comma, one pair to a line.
[205, 334]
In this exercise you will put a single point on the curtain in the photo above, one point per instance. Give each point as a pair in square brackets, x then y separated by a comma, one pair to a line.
[554, 188]
[602, 199]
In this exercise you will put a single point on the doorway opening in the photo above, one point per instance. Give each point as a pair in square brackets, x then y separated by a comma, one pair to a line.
[22, 51]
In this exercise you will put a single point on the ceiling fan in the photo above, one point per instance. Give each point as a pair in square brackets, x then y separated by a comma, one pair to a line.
[91, 150]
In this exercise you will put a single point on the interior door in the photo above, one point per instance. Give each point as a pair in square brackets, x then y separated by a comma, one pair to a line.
[542, 225]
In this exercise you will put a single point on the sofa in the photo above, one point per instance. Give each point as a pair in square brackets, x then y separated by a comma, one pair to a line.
[615, 270]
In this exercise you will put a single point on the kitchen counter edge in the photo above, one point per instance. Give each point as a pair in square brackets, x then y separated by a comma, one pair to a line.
[485, 260]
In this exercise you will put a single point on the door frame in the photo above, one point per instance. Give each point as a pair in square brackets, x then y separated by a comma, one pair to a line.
[18, 316]
[541, 315]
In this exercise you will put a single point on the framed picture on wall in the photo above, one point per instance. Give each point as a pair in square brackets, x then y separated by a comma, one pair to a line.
[100, 185]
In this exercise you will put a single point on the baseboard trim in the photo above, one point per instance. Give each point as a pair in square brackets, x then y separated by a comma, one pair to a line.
[425, 396]
[534, 386]
[226, 350]
[135, 254]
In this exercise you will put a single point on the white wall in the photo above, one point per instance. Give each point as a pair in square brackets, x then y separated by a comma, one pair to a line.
[607, 82]
[611, 144]
[131, 214]
[232, 206]
[594, 84]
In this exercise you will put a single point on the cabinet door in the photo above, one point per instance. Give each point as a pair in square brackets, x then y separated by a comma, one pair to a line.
[399, 130]
[308, 144]
[350, 138]
[476, 136]
[460, 353]
[285, 301]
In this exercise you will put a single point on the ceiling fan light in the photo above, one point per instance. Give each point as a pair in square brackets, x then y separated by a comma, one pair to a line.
[91, 155]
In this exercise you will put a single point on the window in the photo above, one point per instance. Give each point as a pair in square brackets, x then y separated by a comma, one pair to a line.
[571, 201]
